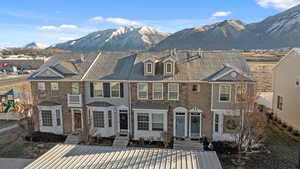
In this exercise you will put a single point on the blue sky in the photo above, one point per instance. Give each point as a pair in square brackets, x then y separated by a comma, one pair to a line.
[53, 21]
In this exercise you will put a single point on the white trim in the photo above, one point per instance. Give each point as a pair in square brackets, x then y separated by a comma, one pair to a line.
[48, 68]
[99, 54]
[74, 105]
[151, 67]
[138, 93]
[111, 90]
[180, 110]
[73, 118]
[190, 124]
[224, 74]
[220, 93]
[166, 65]
[177, 91]
[54, 128]
[162, 94]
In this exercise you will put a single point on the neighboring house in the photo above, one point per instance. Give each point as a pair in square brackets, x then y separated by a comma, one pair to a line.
[286, 89]
[183, 94]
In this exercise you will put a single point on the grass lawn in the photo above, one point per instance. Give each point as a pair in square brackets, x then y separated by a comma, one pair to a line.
[283, 153]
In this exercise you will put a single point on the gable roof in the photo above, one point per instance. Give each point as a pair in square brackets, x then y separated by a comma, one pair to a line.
[190, 66]
[119, 66]
[111, 66]
[68, 66]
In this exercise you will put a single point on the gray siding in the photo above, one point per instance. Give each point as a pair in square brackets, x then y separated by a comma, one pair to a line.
[216, 104]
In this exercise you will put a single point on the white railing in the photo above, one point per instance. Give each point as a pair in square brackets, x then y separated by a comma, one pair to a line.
[74, 100]
[11, 116]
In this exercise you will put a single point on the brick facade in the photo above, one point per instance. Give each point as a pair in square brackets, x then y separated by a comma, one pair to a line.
[187, 98]
[65, 88]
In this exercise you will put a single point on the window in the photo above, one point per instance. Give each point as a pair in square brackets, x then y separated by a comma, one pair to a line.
[143, 121]
[173, 89]
[196, 88]
[98, 89]
[75, 88]
[109, 118]
[279, 102]
[98, 117]
[46, 118]
[224, 93]
[54, 89]
[216, 123]
[115, 89]
[241, 93]
[149, 67]
[58, 120]
[41, 89]
[157, 91]
[297, 81]
[168, 67]
[142, 91]
[157, 122]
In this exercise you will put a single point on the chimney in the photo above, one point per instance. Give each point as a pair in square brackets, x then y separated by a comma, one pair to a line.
[188, 55]
[174, 52]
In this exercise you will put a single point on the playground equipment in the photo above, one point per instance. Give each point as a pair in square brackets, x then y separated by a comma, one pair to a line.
[9, 102]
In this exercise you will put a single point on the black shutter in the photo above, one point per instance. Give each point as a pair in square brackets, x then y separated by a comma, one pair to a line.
[92, 89]
[106, 88]
[121, 90]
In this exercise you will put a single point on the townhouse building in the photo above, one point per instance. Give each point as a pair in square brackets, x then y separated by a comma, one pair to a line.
[184, 94]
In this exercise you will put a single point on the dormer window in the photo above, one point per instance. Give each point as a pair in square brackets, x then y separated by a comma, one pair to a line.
[149, 67]
[168, 67]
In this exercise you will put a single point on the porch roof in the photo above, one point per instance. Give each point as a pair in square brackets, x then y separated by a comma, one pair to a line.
[48, 103]
[81, 156]
[99, 104]
[151, 106]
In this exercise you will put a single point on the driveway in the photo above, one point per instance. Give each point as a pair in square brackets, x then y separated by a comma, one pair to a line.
[14, 163]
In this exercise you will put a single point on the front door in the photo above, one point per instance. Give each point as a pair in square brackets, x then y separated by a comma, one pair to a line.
[77, 120]
[180, 125]
[195, 123]
[123, 121]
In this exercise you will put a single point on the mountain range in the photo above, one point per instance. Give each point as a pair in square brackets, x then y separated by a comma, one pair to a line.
[278, 31]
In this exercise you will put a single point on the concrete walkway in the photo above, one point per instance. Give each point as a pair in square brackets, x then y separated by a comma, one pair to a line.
[14, 163]
[8, 128]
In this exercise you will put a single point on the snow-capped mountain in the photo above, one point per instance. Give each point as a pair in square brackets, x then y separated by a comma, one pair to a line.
[278, 31]
[121, 39]
[35, 45]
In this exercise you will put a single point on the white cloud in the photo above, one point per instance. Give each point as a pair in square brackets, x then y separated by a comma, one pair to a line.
[63, 26]
[67, 26]
[122, 21]
[278, 4]
[96, 19]
[222, 13]
[48, 27]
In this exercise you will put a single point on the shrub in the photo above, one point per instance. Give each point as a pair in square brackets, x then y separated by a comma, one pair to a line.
[225, 147]
[284, 125]
[45, 137]
[290, 128]
[296, 133]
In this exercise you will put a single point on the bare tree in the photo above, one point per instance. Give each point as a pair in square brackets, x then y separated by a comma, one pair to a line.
[252, 122]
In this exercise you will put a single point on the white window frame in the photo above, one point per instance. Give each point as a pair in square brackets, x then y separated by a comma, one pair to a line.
[166, 68]
[72, 88]
[93, 119]
[173, 91]
[73, 118]
[280, 108]
[138, 91]
[70, 104]
[94, 83]
[151, 65]
[111, 89]
[43, 90]
[51, 89]
[162, 91]
[220, 86]
[149, 121]
[57, 129]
